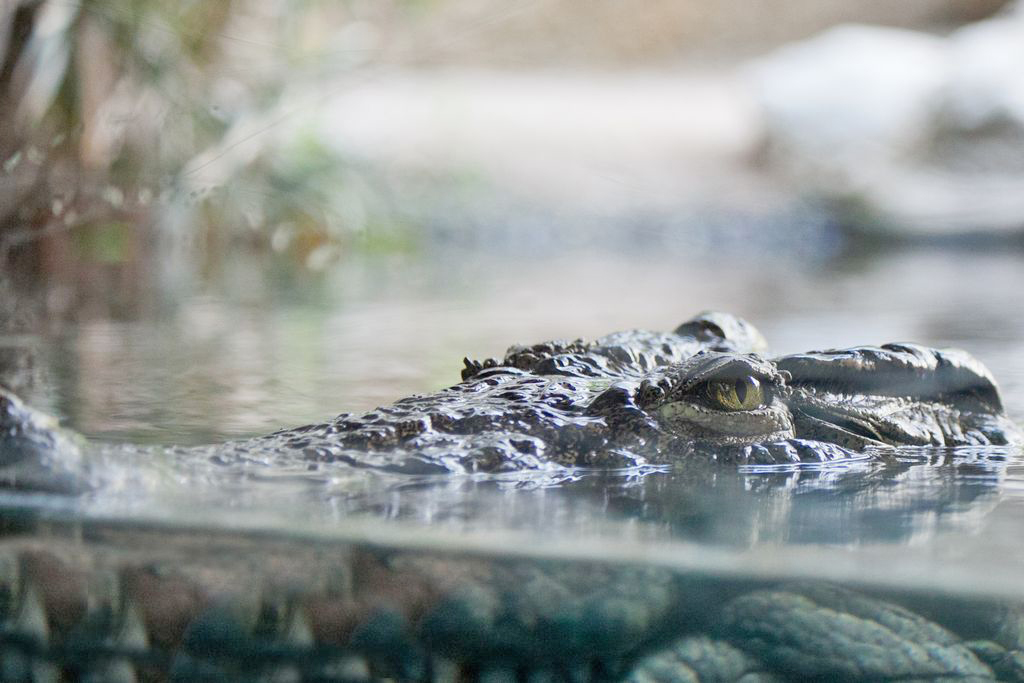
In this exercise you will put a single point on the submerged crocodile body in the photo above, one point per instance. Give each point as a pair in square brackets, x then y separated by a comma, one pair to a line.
[150, 605]
[84, 601]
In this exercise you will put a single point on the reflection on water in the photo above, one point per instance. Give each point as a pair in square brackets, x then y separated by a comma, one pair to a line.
[943, 511]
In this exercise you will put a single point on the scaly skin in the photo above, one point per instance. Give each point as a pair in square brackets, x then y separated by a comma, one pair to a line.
[627, 399]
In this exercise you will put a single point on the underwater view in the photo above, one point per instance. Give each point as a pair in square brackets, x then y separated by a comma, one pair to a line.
[414, 341]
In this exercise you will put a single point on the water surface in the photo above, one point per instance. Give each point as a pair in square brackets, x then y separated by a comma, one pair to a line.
[244, 352]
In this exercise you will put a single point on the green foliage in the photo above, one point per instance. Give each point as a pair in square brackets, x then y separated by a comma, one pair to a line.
[153, 98]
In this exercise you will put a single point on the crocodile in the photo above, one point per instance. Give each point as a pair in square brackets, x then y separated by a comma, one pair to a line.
[87, 600]
[705, 391]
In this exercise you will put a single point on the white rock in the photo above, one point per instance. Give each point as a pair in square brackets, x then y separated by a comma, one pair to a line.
[851, 91]
[910, 132]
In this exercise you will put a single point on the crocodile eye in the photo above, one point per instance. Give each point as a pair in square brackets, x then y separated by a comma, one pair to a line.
[741, 394]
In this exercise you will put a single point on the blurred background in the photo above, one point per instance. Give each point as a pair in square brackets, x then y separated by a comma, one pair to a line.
[220, 218]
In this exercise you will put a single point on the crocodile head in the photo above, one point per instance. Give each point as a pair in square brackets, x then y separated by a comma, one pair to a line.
[724, 398]
[820, 406]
